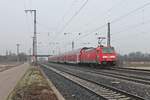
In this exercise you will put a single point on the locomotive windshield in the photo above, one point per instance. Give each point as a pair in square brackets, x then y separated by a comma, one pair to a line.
[108, 50]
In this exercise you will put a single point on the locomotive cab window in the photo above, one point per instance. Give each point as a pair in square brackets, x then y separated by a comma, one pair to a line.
[108, 50]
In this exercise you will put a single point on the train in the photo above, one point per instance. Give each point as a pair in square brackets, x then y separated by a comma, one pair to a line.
[101, 55]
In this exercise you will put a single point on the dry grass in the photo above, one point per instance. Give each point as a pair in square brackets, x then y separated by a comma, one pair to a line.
[33, 86]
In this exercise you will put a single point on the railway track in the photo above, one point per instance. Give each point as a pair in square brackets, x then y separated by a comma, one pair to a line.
[127, 74]
[135, 75]
[102, 90]
[133, 70]
[7, 67]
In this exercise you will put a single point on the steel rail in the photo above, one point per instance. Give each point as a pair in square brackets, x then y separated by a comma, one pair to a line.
[127, 77]
[109, 91]
[132, 69]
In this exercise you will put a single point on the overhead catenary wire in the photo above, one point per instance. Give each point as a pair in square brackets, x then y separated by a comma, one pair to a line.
[79, 12]
[98, 28]
[132, 27]
[109, 9]
[75, 14]
[63, 17]
[113, 21]
[72, 18]
[68, 9]
[117, 19]
[94, 30]
[129, 13]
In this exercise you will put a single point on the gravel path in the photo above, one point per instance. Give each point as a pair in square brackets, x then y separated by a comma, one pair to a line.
[9, 79]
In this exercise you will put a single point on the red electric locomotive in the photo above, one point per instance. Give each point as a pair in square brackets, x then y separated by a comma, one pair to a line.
[99, 56]
[88, 55]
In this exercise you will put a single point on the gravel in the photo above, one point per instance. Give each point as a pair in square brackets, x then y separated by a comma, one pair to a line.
[68, 89]
[130, 87]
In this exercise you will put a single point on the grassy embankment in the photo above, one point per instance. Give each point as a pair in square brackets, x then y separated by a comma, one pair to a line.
[32, 86]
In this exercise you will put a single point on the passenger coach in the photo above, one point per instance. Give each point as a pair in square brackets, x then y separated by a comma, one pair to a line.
[101, 55]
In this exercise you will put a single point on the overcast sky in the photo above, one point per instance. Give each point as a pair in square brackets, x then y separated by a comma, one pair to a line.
[129, 25]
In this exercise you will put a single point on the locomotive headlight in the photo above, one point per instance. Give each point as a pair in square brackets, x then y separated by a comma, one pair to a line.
[112, 56]
[105, 56]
